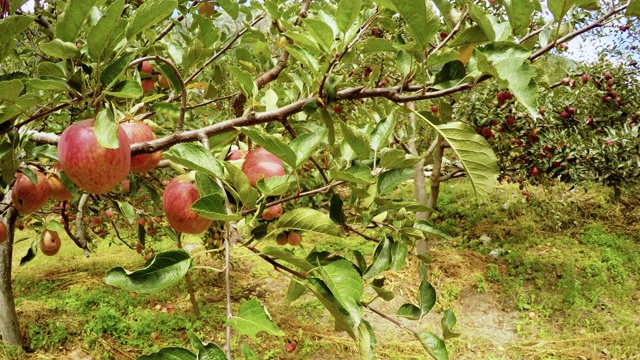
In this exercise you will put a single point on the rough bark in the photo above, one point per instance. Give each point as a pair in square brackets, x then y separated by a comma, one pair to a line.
[9, 326]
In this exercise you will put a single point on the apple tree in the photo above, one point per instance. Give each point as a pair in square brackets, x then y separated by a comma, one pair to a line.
[220, 116]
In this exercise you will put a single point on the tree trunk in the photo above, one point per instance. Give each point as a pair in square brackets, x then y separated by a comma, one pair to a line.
[419, 183]
[9, 326]
[435, 175]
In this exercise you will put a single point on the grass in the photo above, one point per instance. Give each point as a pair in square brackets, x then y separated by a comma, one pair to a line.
[562, 283]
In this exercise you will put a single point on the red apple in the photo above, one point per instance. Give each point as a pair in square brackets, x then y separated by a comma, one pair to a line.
[236, 155]
[261, 163]
[281, 239]
[294, 238]
[585, 78]
[177, 199]
[146, 67]
[49, 243]
[147, 85]
[337, 109]
[140, 132]
[272, 212]
[535, 171]
[434, 109]
[28, 197]
[90, 166]
[3, 232]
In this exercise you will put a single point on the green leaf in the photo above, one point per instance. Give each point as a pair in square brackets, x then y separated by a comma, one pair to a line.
[114, 70]
[509, 62]
[127, 89]
[321, 32]
[399, 251]
[206, 351]
[252, 319]
[447, 323]
[389, 180]
[381, 259]
[50, 70]
[249, 88]
[11, 90]
[366, 340]
[397, 159]
[378, 286]
[10, 27]
[59, 49]
[212, 207]
[434, 345]
[374, 44]
[305, 219]
[426, 297]
[383, 130]
[148, 14]
[206, 185]
[162, 271]
[633, 9]
[357, 141]
[520, 13]
[346, 285]
[231, 7]
[295, 290]
[170, 353]
[71, 20]
[482, 19]
[272, 144]
[39, 84]
[469, 36]
[431, 230]
[422, 20]
[128, 211]
[106, 129]
[288, 256]
[305, 144]
[100, 34]
[559, 8]
[354, 174]
[322, 292]
[347, 14]
[238, 180]
[196, 157]
[409, 311]
[275, 185]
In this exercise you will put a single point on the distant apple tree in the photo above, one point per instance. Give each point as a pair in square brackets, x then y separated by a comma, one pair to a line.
[230, 113]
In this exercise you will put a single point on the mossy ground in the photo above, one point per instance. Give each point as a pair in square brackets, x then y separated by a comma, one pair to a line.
[565, 286]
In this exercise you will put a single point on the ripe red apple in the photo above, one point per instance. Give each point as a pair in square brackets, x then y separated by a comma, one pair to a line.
[272, 212]
[147, 85]
[236, 155]
[28, 197]
[90, 166]
[511, 120]
[500, 97]
[535, 171]
[434, 109]
[585, 78]
[49, 243]
[177, 199]
[294, 238]
[146, 67]
[206, 9]
[337, 109]
[3, 232]
[541, 112]
[261, 163]
[565, 81]
[377, 32]
[571, 110]
[138, 132]
[565, 114]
